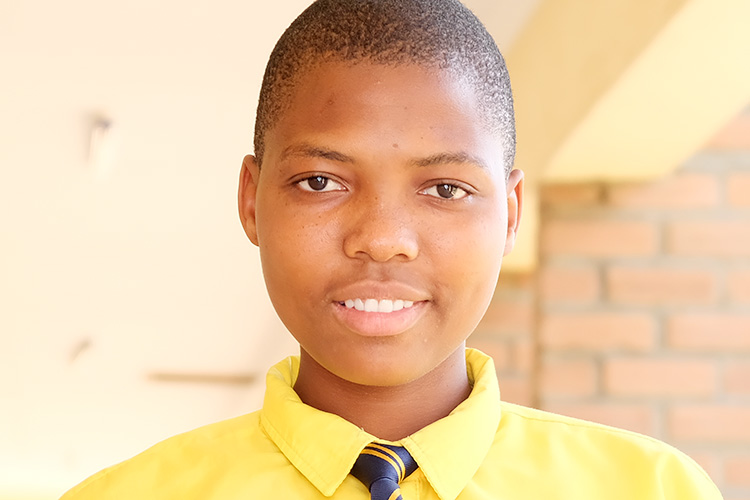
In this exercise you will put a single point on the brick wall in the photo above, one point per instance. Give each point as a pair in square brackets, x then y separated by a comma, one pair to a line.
[507, 333]
[639, 316]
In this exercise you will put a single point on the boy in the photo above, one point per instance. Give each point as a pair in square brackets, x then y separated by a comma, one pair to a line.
[382, 198]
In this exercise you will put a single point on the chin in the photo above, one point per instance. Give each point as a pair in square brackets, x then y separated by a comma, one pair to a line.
[374, 375]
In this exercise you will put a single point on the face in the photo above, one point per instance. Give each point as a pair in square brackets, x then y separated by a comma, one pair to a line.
[382, 213]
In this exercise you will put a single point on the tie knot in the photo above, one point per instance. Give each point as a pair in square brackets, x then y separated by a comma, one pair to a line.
[381, 467]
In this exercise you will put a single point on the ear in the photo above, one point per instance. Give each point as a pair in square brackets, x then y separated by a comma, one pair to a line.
[247, 195]
[514, 191]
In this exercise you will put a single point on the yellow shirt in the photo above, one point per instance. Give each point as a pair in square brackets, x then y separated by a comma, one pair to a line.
[484, 449]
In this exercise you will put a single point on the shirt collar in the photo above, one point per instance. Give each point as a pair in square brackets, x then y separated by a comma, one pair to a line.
[450, 451]
[324, 446]
[321, 445]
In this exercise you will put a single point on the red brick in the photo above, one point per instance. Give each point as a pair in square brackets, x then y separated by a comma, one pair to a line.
[735, 135]
[568, 377]
[571, 195]
[709, 332]
[659, 377]
[569, 285]
[733, 495]
[738, 284]
[709, 238]
[508, 317]
[516, 389]
[523, 355]
[709, 424]
[738, 189]
[737, 471]
[599, 238]
[598, 332]
[674, 192]
[497, 348]
[737, 378]
[633, 417]
[709, 462]
[515, 285]
[661, 286]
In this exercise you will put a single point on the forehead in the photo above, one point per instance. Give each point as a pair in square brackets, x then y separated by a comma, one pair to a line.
[401, 105]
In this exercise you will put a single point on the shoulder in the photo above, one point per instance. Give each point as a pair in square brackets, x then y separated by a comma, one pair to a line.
[594, 454]
[535, 420]
[188, 458]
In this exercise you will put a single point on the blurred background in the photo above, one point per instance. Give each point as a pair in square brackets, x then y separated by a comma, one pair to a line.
[132, 305]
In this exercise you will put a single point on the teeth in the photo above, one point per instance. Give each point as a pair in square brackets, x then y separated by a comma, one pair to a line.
[379, 306]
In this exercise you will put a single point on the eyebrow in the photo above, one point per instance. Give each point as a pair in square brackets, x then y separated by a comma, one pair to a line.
[460, 157]
[308, 151]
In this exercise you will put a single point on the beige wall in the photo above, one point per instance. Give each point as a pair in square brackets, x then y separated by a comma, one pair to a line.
[110, 273]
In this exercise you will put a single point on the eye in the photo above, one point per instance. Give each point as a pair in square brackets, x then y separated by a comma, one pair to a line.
[319, 184]
[446, 191]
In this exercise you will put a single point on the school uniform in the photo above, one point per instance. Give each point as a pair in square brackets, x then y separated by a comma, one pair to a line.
[485, 449]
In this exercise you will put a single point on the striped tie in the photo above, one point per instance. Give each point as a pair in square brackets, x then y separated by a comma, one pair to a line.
[381, 467]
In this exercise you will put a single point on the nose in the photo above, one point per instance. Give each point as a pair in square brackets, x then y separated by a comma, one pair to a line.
[380, 230]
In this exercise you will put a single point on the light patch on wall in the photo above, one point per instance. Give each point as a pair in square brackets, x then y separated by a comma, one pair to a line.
[102, 146]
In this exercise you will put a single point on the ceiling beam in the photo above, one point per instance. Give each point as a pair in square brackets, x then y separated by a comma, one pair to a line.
[624, 90]
[689, 82]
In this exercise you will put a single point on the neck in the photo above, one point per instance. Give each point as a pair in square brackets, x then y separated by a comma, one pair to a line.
[391, 412]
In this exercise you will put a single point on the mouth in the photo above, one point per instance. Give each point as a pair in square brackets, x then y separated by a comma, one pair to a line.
[379, 317]
[377, 306]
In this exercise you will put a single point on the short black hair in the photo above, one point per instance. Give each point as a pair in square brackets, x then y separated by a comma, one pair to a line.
[441, 34]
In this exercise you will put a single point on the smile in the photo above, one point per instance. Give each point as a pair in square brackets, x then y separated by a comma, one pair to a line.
[377, 306]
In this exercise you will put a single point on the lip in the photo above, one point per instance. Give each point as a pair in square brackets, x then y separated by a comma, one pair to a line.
[379, 290]
[374, 324]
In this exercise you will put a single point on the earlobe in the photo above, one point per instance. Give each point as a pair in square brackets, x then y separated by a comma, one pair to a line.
[246, 196]
[514, 193]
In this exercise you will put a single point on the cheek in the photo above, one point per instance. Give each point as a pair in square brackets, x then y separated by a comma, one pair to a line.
[480, 234]
[471, 254]
[295, 248]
